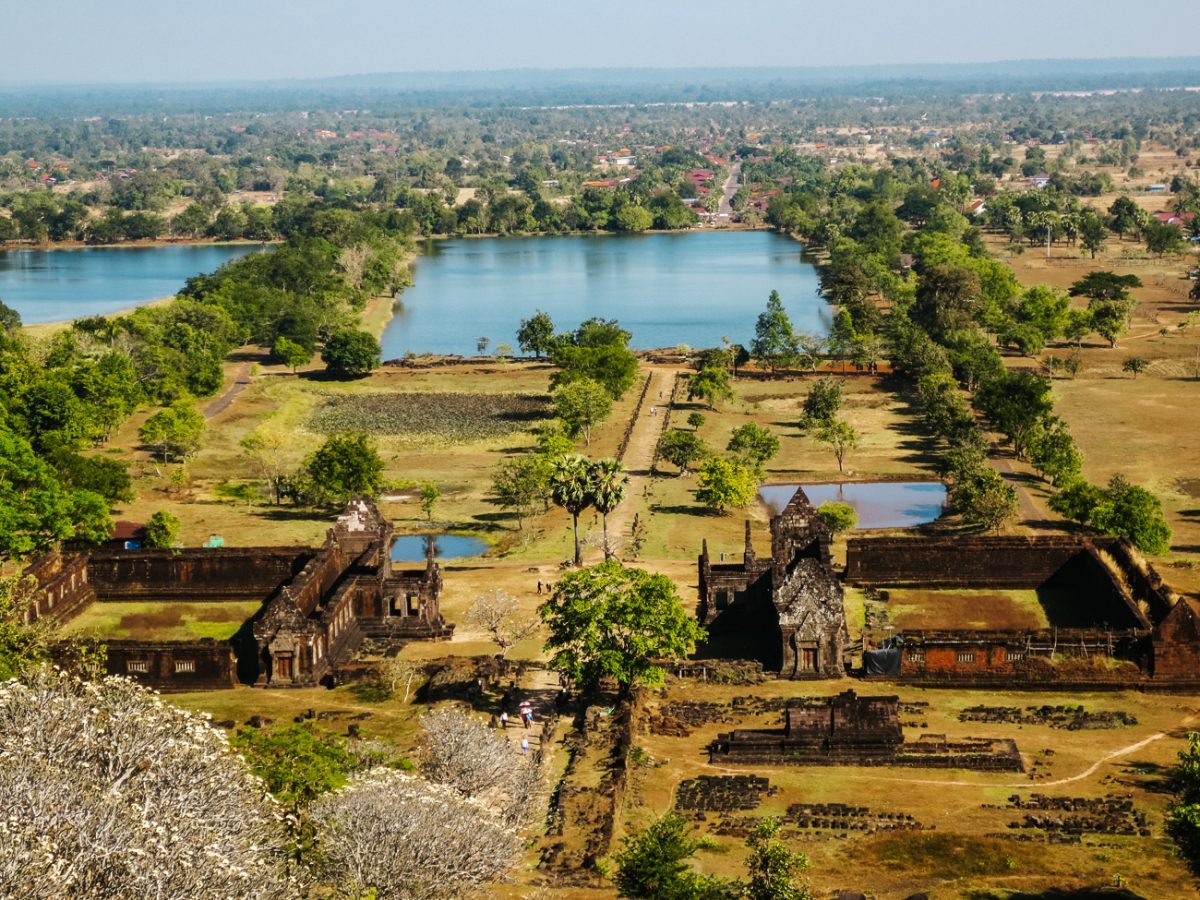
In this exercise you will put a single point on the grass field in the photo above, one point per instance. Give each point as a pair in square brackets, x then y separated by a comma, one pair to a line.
[162, 620]
[975, 610]
[966, 844]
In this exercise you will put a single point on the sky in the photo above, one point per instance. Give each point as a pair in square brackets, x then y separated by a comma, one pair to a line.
[121, 41]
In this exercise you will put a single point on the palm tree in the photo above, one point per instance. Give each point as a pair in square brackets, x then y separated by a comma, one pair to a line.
[571, 488]
[608, 490]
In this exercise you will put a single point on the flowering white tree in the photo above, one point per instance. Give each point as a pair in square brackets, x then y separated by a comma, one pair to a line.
[107, 791]
[405, 837]
[494, 612]
[461, 752]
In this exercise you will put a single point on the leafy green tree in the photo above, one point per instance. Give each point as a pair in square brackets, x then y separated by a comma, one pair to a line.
[571, 488]
[948, 297]
[695, 419]
[1092, 232]
[1105, 286]
[1015, 403]
[346, 465]
[351, 354]
[822, 403]
[109, 478]
[36, 509]
[1162, 238]
[753, 445]
[1132, 512]
[652, 864]
[10, 319]
[1127, 216]
[838, 516]
[298, 762]
[1053, 452]
[774, 343]
[162, 530]
[1135, 365]
[582, 405]
[839, 436]
[521, 481]
[609, 621]
[1183, 816]
[22, 644]
[1076, 499]
[983, 499]
[710, 385]
[1046, 309]
[773, 870]
[174, 432]
[290, 353]
[608, 490]
[429, 498]
[722, 484]
[682, 448]
[1078, 326]
[1110, 318]
[597, 350]
[536, 334]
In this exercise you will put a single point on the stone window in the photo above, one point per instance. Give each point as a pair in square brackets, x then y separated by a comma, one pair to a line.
[185, 665]
[916, 654]
[966, 656]
[1014, 655]
[137, 665]
[723, 598]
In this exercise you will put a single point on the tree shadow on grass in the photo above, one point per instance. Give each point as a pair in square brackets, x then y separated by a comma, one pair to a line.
[681, 510]
[371, 691]
[1155, 778]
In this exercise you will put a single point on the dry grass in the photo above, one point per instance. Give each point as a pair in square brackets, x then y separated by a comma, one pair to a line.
[967, 609]
[960, 854]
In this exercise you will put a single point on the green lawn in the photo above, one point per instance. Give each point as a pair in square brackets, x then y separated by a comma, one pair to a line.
[163, 620]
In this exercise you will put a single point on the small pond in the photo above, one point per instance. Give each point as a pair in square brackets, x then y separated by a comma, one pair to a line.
[415, 547]
[879, 504]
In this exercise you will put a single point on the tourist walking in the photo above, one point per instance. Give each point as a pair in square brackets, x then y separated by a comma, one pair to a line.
[524, 745]
[504, 718]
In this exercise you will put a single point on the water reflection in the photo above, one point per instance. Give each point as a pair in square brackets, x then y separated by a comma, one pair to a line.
[415, 547]
[879, 504]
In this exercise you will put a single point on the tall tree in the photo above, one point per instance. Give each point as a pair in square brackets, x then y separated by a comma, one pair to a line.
[582, 405]
[571, 488]
[608, 490]
[615, 622]
[536, 334]
[774, 343]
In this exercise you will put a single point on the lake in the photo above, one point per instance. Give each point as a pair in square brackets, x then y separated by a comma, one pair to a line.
[879, 504]
[415, 547]
[689, 288]
[55, 285]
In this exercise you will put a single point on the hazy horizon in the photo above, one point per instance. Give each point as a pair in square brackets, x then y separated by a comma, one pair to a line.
[123, 42]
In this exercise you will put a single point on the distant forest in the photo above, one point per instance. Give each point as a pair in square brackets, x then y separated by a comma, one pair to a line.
[536, 87]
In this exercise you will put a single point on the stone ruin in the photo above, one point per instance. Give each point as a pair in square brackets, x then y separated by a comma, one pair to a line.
[792, 600]
[1115, 623]
[857, 731]
[318, 605]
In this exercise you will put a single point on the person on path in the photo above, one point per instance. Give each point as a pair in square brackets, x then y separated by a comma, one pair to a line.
[504, 718]
[524, 745]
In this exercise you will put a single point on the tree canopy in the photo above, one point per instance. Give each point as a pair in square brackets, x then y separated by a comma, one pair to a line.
[609, 621]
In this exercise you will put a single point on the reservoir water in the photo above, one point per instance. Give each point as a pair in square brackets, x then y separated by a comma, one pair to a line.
[53, 285]
[879, 504]
[690, 288]
[415, 547]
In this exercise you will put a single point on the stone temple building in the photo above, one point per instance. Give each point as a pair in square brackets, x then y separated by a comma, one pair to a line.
[790, 605]
[315, 606]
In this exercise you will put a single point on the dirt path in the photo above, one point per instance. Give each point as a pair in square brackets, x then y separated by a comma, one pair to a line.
[240, 382]
[1029, 510]
[639, 454]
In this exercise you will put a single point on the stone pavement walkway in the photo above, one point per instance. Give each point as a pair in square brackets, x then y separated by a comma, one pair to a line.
[639, 453]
